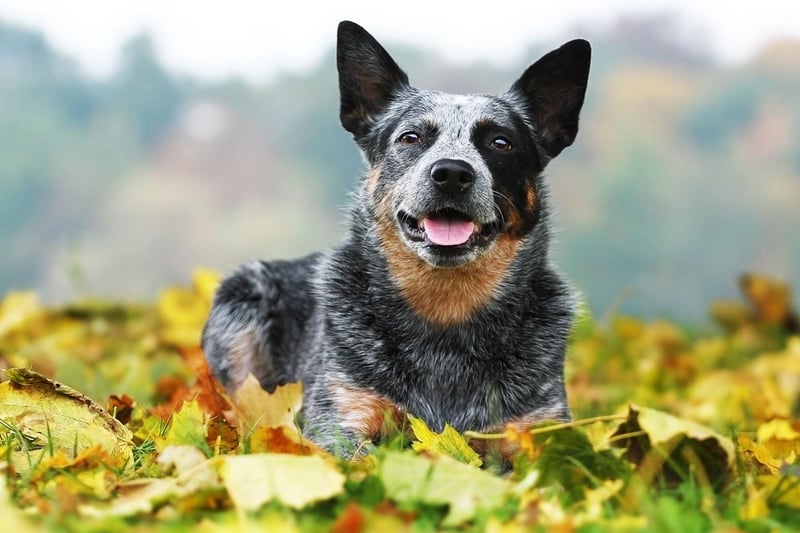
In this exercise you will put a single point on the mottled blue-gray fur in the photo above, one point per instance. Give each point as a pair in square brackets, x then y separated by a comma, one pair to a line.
[341, 322]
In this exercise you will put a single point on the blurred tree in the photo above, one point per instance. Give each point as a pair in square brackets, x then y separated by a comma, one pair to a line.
[143, 92]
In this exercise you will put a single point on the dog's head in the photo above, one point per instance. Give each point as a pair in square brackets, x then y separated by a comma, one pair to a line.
[452, 175]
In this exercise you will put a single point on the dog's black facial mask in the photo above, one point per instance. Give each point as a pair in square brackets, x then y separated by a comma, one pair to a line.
[551, 90]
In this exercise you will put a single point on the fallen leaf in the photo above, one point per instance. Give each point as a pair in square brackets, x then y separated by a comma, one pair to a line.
[444, 481]
[294, 480]
[121, 407]
[568, 459]
[449, 442]
[207, 390]
[50, 417]
[16, 309]
[350, 520]
[187, 426]
[12, 518]
[183, 311]
[194, 472]
[256, 407]
[281, 440]
[657, 442]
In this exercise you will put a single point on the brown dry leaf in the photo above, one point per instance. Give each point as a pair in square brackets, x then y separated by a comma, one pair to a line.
[121, 407]
[174, 392]
[51, 417]
[208, 391]
[221, 436]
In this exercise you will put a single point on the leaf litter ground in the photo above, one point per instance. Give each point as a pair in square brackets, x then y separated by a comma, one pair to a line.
[110, 420]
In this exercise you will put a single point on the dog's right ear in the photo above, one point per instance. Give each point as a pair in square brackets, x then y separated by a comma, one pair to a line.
[368, 78]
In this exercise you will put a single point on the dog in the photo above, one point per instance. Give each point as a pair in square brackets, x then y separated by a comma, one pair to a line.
[440, 301]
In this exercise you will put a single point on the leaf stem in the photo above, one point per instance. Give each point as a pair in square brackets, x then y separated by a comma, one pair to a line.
[547, 429]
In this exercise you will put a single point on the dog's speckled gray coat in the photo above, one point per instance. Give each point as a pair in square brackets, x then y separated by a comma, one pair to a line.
[338, 318]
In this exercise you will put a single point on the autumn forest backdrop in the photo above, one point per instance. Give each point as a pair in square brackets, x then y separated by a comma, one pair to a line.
[685, 174]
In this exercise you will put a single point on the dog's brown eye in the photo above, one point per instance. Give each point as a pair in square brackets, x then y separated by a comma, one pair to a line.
[501, 144]
[409, 137]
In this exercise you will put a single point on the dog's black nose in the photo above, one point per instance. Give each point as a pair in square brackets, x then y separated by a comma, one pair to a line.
[452, 176]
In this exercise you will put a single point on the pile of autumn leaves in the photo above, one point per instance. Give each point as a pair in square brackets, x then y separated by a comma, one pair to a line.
[110, 420]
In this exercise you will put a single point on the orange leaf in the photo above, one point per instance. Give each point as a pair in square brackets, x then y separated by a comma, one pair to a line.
[281, 440]
[350, 521]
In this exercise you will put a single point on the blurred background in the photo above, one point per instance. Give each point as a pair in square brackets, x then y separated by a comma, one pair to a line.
[140, 141]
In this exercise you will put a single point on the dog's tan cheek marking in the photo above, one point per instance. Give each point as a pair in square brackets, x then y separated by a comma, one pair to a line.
[364, 412]
[444, 296]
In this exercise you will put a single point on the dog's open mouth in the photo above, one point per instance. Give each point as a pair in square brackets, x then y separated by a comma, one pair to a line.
[447, 228]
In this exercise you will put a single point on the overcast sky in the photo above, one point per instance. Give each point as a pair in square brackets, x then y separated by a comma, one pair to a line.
[259, 38]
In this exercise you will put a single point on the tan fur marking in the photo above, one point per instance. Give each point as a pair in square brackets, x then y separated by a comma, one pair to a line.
[531, 199]
[505, 448]
[365, 412]
[241, 355]
[373, 177]
[539, 415]
[445, 296]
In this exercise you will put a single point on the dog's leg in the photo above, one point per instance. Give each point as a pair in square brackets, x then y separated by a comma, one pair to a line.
[236, 338]
[348, 419]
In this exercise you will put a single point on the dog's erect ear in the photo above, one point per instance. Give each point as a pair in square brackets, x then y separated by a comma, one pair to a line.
[368, 77]
[553, 89]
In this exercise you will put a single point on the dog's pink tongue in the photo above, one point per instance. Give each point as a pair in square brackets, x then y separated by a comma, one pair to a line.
[448, 232]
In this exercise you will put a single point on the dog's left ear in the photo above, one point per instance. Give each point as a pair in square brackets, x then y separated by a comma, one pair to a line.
[553, 89]
[368, 77]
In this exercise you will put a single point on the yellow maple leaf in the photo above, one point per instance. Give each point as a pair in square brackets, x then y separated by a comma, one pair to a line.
[256, 407]
[449, 442]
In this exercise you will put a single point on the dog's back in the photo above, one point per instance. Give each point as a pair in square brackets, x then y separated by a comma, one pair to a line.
[441, 300]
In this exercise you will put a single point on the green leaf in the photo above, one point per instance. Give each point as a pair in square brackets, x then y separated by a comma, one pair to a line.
[569, 459]
[296, 481]
[465, 489]
[449, 442]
